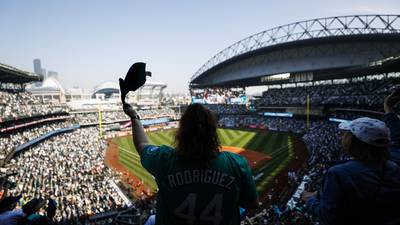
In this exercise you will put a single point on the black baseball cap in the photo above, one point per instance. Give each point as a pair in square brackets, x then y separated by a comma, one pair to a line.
[134, 79]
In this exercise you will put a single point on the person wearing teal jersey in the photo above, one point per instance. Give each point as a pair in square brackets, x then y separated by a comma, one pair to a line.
[198, 183]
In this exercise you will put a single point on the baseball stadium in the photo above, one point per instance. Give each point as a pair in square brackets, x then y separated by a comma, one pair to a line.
[267, 153]
[74, 147]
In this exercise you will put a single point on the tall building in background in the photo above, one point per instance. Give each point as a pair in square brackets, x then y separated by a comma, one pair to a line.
[51, 73]
[37, 66]
[44, 73]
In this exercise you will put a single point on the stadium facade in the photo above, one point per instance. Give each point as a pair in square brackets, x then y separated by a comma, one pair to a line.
[310, 50]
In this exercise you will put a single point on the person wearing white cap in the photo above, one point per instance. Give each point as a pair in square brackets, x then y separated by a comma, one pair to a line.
[364, 190]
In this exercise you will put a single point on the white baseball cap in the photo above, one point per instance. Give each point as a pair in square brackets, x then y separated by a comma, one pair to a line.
[368, 130]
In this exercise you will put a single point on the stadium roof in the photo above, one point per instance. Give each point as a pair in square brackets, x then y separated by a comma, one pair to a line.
[107, 88]
[108, 85]
[49, 85]
[327, 44]
[9, 74]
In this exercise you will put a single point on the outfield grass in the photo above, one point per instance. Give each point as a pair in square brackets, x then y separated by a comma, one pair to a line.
[277, 145]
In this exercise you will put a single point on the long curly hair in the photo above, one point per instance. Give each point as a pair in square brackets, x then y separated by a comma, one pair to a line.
[196, 138]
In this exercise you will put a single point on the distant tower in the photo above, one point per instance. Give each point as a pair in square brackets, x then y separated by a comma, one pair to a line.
[37, 66]
[44, 73]
[51, 73]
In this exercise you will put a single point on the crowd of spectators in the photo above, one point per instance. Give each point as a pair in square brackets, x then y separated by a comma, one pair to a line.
[113, 116]
[364, 94]
[157, 113]
[228, 109]
[219, 95]
[81, 186]
[15, 105]
[93, 117]
[351, 114]
[324, 147]
[175, 99]
[9, 141]
[323, 144]
[284, 124]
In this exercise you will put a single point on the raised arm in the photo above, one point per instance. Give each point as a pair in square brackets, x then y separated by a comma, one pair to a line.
[138, 135]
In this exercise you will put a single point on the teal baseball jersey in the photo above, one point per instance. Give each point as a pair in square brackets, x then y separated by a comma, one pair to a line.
[199, 193]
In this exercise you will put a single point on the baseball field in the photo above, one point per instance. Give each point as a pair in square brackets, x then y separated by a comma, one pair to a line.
[268, 153]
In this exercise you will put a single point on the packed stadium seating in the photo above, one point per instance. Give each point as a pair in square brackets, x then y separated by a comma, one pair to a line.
[361, 94]
[81, 186]
[271, 123]
[156, 113]
[16, 105]
[93, 117]
[114, 116]
[219, 95]
[228, 109]
[8, 142]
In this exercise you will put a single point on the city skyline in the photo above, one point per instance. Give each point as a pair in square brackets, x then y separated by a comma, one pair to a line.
[38, 69]
[91, 42]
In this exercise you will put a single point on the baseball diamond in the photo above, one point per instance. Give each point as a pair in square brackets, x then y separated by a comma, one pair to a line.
[268, 153]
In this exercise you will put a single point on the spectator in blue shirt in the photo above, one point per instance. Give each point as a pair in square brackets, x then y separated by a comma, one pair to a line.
[364, 190]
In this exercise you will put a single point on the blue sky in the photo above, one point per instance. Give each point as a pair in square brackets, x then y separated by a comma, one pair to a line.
[89, 42]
